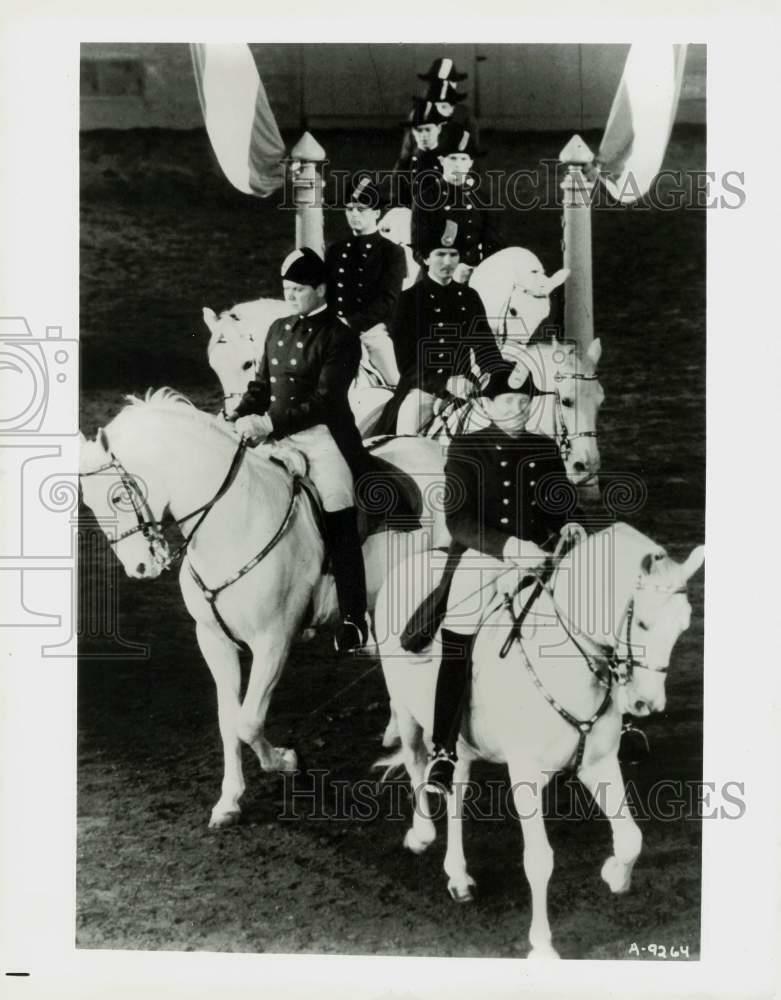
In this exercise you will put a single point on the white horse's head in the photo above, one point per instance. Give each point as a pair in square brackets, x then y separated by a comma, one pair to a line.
[122, 485]
[236, 342]
[568, 406]
[647, 609]
[516, 293]
[396, 225]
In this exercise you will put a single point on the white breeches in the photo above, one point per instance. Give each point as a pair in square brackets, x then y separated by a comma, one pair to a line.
[327, 468]
[478, 583]
[378, 347]
[416, 410]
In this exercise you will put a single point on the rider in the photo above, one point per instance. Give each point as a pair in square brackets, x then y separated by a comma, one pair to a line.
[442, 78]
[500, 484]
[437, 328]
[300, 393]
[453, 195]
[422, 159]
[364, 276]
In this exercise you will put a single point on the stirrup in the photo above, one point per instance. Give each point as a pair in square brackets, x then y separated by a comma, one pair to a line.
[438, 776]
[352, 635]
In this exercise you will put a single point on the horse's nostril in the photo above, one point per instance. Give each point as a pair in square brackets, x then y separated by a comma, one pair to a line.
[246, 366]
[513, 312]
[579, 467]
[141, 569]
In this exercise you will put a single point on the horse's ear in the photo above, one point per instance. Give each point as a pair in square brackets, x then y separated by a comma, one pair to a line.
[558, 278]
[594, 352]
[210, 319]
[693, 563]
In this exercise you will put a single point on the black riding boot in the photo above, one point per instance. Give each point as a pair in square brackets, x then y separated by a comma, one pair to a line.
[451, 695]
[344, 548]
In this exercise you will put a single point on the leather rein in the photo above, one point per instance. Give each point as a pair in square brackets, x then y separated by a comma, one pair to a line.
[620, 667]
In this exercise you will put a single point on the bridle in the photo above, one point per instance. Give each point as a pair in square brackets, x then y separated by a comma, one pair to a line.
[561, 433]
[620, 667]
[146, 523]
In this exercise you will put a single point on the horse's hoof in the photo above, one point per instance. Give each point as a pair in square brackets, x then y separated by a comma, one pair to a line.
[413, 842]
[462, 892]
[288, 760]
[615, 874]
[219, 820]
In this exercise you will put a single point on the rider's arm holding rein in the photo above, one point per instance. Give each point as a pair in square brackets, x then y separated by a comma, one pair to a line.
[339, 361]
[257, 398]
[403, 331]
[480, 337]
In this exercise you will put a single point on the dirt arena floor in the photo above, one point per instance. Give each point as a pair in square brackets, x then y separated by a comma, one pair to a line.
[312, 868]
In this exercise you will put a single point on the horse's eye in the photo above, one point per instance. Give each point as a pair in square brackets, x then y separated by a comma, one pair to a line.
[642, 625]
[567, 401]
[246, 366]
[233, 316]
[220, 340]
[513, 311]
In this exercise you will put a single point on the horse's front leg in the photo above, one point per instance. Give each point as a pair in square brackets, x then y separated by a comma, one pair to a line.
[269, 653]
[606, 783]
[527, 787]
[460, 883]
[223, 661]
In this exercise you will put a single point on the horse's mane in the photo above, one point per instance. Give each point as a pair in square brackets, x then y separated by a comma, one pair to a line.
[168, 400]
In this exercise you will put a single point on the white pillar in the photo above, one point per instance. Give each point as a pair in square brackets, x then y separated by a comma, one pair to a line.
[578, 290]
[308, 192]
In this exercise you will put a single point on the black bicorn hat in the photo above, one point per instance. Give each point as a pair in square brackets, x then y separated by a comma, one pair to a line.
[457, 139]
[443, 90]
[364, 190]
[433, 235]
[509, 379]
[304, 267]
[443, 69]
[423, 113]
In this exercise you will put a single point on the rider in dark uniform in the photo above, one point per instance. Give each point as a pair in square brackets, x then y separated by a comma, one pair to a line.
[300, 393]
[422, 159]
[498, 484]
[365, 275]
[454, 195]
[442, 78]
[439, 332]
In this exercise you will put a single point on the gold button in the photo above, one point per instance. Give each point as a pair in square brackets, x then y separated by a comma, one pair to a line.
[503, 463]
[507, 481]
[506, 502]
[273, 378]
[532, 465]
[280, 343]
[274, 361]
[504, 520]
[440, 355]
[533, 482]
[273, 399]
[341, 270]
[440, 371]
[339, 284]
[299, 344]
[498, 447]
[344, 255]
[287, 327]
[293, 361]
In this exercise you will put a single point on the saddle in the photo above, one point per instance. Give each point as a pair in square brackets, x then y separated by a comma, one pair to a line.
[385, 496]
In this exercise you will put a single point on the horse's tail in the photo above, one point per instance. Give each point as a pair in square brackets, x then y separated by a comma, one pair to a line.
[392, 762]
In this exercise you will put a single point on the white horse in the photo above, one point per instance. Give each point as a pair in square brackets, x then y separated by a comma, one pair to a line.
[595, 645]
[516, 293]
[235, 350]
[396, 226]
[252, 571]
[566, 409]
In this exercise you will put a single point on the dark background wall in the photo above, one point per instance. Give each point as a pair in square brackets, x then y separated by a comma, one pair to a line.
[522, 87]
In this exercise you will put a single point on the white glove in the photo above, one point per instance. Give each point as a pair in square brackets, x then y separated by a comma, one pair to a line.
[254, 428]
[375, 333]
[525, 555]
